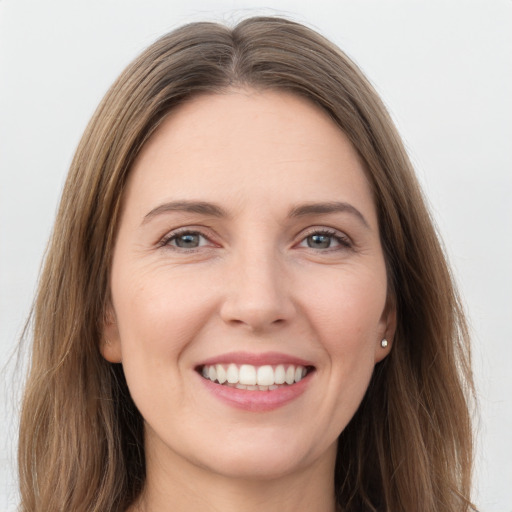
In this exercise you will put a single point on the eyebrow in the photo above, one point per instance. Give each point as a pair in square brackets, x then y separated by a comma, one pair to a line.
[323, 208]
[213, 210]
[200, 207]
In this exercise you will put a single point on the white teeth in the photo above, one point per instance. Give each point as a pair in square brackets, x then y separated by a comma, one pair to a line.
[221, 373]
[232, 374]
[247, 376]
[265, 376]
[290, 375]
[280, 375]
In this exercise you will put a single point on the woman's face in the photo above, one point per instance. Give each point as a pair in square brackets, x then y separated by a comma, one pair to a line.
[248, 253]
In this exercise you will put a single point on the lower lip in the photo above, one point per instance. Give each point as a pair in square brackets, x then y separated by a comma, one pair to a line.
[257, 401]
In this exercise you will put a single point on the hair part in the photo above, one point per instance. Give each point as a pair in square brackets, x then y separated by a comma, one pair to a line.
[409, 446]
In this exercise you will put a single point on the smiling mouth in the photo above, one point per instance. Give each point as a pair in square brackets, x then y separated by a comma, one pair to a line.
[255, 378]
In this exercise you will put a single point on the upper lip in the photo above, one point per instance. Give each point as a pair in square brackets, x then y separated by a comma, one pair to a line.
[265, 358]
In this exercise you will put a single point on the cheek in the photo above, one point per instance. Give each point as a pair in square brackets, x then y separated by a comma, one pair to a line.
[348, 311]
[157, 320]
[157, 315]
[348, 320]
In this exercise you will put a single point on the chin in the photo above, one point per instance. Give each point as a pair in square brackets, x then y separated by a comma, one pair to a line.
[260, 457]
[260, 466]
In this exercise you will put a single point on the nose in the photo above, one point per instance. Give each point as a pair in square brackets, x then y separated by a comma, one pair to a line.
[258, 293]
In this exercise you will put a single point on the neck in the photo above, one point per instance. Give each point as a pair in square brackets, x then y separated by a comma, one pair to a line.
[171, 487]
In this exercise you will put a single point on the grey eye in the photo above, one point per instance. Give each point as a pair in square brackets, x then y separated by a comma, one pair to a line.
[187, 240]
[319, 241]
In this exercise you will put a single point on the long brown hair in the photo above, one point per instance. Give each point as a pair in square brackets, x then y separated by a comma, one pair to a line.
[409, 446]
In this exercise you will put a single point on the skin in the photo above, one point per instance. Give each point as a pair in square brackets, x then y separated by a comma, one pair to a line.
[253, 284]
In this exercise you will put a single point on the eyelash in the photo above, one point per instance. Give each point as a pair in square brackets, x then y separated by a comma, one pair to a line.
[343, 241]
[174, 235]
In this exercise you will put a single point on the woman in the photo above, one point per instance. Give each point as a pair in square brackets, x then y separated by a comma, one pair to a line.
[244, 296]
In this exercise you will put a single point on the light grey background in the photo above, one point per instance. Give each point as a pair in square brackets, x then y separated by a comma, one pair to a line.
[443, 68]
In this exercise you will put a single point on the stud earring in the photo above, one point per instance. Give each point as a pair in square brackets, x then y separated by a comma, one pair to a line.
[384, 343]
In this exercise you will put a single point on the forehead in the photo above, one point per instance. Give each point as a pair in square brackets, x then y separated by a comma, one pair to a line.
[260, 146]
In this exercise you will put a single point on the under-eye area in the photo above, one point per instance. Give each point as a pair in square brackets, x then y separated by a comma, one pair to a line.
[255, 378]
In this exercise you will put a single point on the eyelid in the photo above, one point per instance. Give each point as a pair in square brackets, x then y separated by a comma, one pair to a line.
[343, 239]
[194, 230]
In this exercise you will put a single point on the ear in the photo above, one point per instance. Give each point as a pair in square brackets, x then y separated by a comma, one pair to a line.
[387, 331]
[110, 343]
